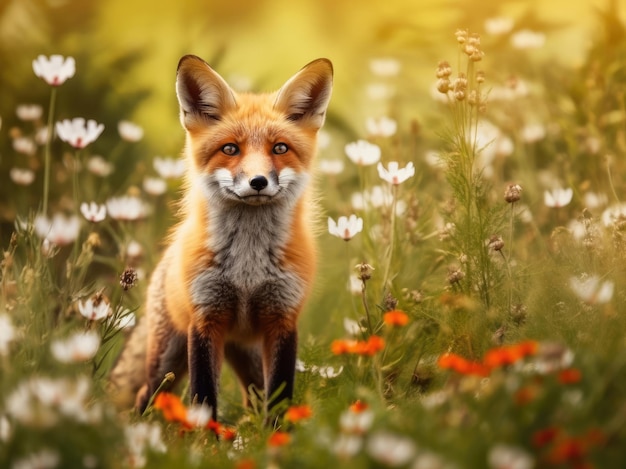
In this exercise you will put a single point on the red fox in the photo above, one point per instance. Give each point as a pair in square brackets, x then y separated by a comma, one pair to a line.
[241, 262]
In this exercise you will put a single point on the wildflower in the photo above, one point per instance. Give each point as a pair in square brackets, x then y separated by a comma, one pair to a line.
[127, 208]
[198, 415]
[356, 422]
[528, 39]
[346, 446]
[365, 271]
[503, 456]
[495, 243]
[22, 177]
[455, 275]
[61, 230]
[381, 127]
[389, 449]
[124, 319]
[169, 168]
[331, 167]
[591, 290]
[385, 67]
[452, 361]
[351, 326]
[552, 357]
[395, 175]
[498, 26]
[513, 193]
[545, 436]
[369, 347]
[141, 437]
[76, 133]
[278, 438]
[54, 70]
[99, 166]
[532, 133]
[373, 345]
[95, 308]
[461, 35]
[444, 70]
[29, 112]
[172, 407]
[128, 279]
[295, 414]
[558, 197]
[569, 376]
[129, 131]
[358, 406]
[7, 334]
[329, 372]
[79, 347]
[509, 354]
[24, 145]
[363, 153]
[42, 459]
[154, 186]
[460, 87]
[396, 318]
[93, 212]
[345, 228]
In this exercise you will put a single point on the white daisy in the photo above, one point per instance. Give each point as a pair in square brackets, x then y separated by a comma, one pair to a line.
[93, 212]
[363, 153]
[394, 174]
[54, 70]
[77, 132]
[345, 227]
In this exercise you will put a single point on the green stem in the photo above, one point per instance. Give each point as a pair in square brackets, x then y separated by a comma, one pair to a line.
[392, 235]
[46, 178]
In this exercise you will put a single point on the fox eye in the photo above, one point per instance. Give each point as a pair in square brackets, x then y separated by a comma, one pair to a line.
[280, 149]
[230, 149]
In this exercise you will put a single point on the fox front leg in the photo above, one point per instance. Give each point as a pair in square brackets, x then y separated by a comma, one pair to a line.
[279, 365]
[206, 351]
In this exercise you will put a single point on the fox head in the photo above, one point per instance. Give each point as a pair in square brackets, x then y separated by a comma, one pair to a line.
[249, 148]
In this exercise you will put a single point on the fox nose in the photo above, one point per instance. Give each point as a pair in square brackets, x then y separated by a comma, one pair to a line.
[258, 183]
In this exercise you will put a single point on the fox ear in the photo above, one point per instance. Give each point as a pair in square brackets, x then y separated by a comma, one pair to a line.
[305, 96]
[202, 93]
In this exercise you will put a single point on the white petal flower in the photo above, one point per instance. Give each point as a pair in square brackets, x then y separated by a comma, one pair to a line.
[25, 146]
[351, 326]
[93, 212]
[395, 175]
[558, 197]
[381, 127]
[329, 372]
[99, 166]
[124, 319]
[363, 153]
[389, 449]
[532, 133]
[42, 459]
[169, 168]
[592, 290]
[79, 347]
[126, 208]
[345, 228]
[385, 67]
[23, 177]
[154, 186]
[129, 131]
[346, 446]
[198, 415]
[613, 214]
[94, 308]
[7, 334]
[78, 133]
[141, 437]
[61, 230]
[509, 457]
[499, 25]
[29, 112]
[528, 39]
[356, 422]
[54, 70]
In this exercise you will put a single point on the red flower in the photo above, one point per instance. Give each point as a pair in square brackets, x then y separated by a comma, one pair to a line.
[546, 436]
[172, 407]
[296, 413]
[358, 347]
[569, 376]
[452, 361]
[358, 406]
[509, 354]
[396, 318]
[278, 438]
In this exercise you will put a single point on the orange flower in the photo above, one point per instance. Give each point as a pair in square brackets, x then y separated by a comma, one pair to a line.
[341, 346]
[509, 354]
[358, 406]
[172, 407]
[279, 438]
[396, 318]
[228, 433]
[246, 464]
[296, 413]
[452, 361]
[374, 344]
[569, 376]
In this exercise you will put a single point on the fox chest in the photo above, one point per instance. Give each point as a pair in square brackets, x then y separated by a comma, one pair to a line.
[246, 279]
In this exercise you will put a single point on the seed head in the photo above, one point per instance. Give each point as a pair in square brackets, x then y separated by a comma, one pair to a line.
[443, 85]
[364, 271]
[513, 193]
[128, 279]
[461, 35]
[496, 243]
[444, 70]
[455, 275]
